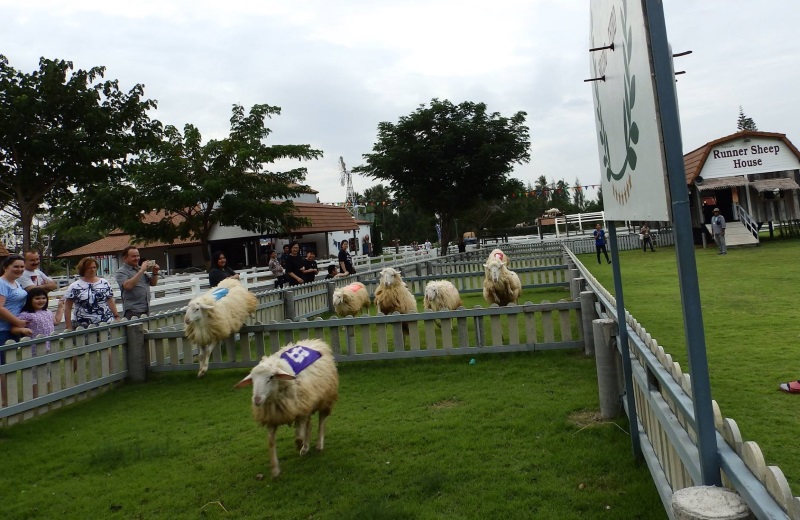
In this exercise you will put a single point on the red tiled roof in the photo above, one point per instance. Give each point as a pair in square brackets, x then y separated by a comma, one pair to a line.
[693, 161]
[324, 217]
[116, 242]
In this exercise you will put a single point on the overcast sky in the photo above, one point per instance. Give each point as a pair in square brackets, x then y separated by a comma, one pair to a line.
[337, 69]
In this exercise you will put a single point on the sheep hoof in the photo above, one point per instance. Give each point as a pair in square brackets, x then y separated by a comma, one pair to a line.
[276, 472]
[304, 450]
[201, 374]
[298, 443]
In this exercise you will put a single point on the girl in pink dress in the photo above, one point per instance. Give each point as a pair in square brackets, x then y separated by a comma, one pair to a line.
[39, 320]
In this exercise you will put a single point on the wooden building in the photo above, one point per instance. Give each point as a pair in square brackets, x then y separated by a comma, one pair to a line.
[750, 176]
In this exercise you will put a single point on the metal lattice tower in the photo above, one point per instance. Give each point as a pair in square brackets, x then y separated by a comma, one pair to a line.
[347, 180]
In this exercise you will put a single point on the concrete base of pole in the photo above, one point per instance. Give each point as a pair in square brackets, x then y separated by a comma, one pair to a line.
[606, 364]
[709, 503]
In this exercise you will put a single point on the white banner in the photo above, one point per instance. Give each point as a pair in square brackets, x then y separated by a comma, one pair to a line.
[632, 168]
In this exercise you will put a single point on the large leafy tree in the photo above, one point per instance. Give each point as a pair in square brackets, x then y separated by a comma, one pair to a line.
[447, 158]
[62, 130]
[185, 187]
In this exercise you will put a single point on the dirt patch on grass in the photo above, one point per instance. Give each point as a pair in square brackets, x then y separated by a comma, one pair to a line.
[444, 404]
[584, 418]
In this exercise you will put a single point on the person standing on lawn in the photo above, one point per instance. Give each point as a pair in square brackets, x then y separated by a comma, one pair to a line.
[646, 238]
[718, 228]
[600, 242]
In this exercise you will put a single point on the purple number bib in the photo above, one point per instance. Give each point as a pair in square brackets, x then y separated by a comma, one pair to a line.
[300, 358]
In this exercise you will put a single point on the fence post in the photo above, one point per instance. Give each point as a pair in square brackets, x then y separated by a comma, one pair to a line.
[428, 268]
[288, 306]
[331, 287]
[607, 376]
[135, 353]
[709, 502]
[417, 268]
[576, 284]
[588, 315]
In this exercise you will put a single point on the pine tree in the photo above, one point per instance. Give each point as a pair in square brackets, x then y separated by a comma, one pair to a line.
[745, 123]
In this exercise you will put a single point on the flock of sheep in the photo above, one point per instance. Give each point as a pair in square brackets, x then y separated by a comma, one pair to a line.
[301, 379]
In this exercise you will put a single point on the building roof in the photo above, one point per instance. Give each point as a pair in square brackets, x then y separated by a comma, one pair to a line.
[694, 161]
[722, 182]
[117, 241]
[322, 218]
[780, 183]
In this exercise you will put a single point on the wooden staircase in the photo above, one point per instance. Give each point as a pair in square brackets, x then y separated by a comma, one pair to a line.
[737, 235]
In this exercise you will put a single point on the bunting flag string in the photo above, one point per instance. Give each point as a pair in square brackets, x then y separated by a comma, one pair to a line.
[533, 193]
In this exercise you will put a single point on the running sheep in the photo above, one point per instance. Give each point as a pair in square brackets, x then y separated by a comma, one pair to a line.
[216, 315]
[393, 295]
[349, 300]
[500, 284]
[289, 387]
[441, 295]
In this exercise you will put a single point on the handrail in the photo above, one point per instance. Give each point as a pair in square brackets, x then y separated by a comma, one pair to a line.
[747, 220]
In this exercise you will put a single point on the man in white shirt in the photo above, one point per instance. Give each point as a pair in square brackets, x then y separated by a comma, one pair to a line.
[33, 276]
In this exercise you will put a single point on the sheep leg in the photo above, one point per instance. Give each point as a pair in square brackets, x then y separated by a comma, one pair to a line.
[323, 414]
[273, 452]
[203, 354]
[303, 432]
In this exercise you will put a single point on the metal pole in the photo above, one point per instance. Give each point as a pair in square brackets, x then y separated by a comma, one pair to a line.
[624, 349]
[684, 244]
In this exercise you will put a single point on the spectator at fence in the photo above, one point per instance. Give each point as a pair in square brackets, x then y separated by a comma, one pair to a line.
[309, 268]
[219, 269]
[277, 269]
[91, 297]
[285, 255]
[644, 232]
[134, 282]
[718, 228]
[12, 299]
[294, 265]
[345, 260]
[33, 276]
[462, 246]
[600, 242]
[38, 320]
[333, 273]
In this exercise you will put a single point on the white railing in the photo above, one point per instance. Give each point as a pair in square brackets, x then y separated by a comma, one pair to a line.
[747, 221]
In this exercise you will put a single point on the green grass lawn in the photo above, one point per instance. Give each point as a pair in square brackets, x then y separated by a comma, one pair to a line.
[510, 436]
[749, 302]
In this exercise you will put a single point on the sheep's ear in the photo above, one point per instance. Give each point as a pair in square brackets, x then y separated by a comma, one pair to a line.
[285, 376]
[203, 305]
[247, 381]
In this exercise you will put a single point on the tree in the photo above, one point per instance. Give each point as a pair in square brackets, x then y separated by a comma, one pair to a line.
[745, 123]
[446, 158]
[579, 197]
[192, 186]
[62, 130]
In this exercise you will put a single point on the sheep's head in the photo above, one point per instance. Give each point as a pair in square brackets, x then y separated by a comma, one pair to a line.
[390, 276]
[338, 296]
[494, 269]
[195, 311]
[497, 254]
[265, 378]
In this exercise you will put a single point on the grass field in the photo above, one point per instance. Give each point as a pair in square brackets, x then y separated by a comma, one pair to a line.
[749, 303]
[510, 436]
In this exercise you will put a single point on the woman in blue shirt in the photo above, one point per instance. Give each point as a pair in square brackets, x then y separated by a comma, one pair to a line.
[12, 299]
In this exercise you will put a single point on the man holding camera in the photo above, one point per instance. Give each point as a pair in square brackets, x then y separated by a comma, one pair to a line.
[134, 282]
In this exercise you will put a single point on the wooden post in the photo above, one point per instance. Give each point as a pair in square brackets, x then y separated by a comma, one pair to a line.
[588, 315]
[607, 377]
[428, 268]
[417, 268]
[331, 287]
[288, 306]
[709, 503]
[576, 284]
[135, 353]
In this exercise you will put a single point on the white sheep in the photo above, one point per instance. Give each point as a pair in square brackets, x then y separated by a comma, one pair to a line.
[500, 284]
[215, 315]
[393, 295]
[441, 295]
[349, 300]
[289, 387]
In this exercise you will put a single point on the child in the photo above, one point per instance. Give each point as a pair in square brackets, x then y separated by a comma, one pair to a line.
[333, 272]
[40, 321]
